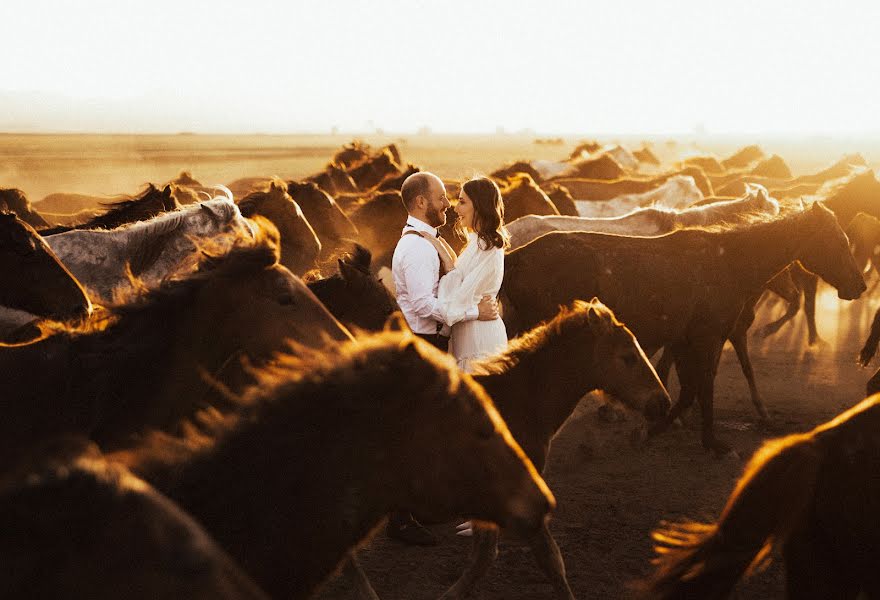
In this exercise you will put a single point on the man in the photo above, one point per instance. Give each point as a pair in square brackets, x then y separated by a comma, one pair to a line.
[415, 268]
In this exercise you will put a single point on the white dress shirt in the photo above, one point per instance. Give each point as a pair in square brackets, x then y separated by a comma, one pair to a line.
[415, 268]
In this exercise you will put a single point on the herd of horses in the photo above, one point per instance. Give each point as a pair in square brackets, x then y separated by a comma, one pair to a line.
[217, 378]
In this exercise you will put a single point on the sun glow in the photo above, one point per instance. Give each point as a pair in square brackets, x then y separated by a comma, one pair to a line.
[558, 66]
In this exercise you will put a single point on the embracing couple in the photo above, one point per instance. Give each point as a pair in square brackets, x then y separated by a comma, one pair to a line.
[449, 300]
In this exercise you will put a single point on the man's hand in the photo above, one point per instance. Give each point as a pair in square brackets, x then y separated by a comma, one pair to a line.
[488, 309]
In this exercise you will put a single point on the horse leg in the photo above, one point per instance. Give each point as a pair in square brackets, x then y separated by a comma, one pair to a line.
[794, 305]
[703, 359]
[740, 342]
[811, 284]
[686, 395]
[483, 553]
[549, 559]
[353, 572]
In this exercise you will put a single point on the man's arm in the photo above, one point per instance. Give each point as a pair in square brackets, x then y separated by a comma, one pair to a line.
[419, 264]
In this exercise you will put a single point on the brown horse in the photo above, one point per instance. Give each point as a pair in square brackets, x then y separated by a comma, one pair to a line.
[584, 147]
[354, 295]
[603, 167]
[815, 496]
[536, 384]
[33, 280]
[150, 203]
[562, 200]
[74, 526]
[375, 169]
[321, 450]
[300, 246]
[395, 182]
[520, 166]
[351, 154]
[860, 192]
[333, 180]
[380, 220]
[864, 239]
[175, 342]
[685, 289]
[709, 164]
[522, 196]
[646, 156]
[333, 227]
[869, 350]
[597, 189]
[15, 201]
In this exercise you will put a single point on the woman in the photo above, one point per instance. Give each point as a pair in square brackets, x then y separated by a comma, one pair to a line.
[476, 273]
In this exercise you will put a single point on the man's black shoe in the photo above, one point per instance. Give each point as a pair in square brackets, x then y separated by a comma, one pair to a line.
[411, 532]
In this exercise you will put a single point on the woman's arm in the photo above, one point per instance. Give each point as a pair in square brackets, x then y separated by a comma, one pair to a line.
[447, 254]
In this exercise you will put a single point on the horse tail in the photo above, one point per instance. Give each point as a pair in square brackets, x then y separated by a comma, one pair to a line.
[705, 561]
[870, 348]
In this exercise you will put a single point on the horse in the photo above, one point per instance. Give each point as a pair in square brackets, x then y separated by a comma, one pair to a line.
[864, 239]
[332, 226]
[321, 450]
[709, 164]
[177, 342]
[73, 525]
[16, 201]
[684, 290]
[150, 250]
[869, 350]
[522, 196]
[519, 166]
[678, 191]
[743, 157]
[815, 496]
[351, 154]
[33, 281]
[380, 220]
[562, 200]
[756, 204]
[151, 203]
[395, 182]
[596, 189]
[537, 382]
[646, 156]
[354, 295]
[583, 149]
[300, 246]
[773, 166]
[860, 192]
[604, 167]
[333, 180]
[375, 169]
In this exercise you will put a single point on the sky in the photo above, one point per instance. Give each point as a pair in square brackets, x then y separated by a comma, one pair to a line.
[549, 66]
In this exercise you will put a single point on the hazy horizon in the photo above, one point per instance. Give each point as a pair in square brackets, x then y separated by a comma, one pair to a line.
[570, 68]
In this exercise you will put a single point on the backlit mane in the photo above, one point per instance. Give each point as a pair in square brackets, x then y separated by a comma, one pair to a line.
[568, 318]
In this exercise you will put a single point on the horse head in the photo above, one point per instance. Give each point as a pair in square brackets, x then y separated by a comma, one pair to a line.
[824, 250]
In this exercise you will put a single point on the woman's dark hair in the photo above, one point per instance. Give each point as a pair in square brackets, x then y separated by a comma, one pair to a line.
[488, 212]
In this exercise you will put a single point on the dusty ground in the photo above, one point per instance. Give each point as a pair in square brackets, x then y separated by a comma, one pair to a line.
[610, 496]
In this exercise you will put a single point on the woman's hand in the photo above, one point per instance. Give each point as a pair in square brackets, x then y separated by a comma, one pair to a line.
[447, 255]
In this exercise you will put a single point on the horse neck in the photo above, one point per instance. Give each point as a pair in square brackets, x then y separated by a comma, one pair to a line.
[285, 492]
[754, 254]
[541, 388]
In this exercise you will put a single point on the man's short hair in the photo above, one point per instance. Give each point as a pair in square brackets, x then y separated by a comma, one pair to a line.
[417, 184]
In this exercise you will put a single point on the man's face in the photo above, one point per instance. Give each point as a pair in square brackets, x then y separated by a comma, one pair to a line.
[437, 203]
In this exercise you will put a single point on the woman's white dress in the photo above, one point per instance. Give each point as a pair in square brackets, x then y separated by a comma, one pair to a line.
[477, 272]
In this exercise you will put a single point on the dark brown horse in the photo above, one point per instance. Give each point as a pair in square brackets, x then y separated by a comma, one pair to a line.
[300, 246]
[32, 279]
[156, 360]
[74, 526]
[152, 202]
[322, 449]
[603, 167]
[380, 220]
[522, 196]
[646, 155]
[536, 384]
[354, 295]
[815, 496]
[351, 154]
[15, 201]
[869, 350]
[395, 182]
[562, 200]
[333, 227]
[685, 289]
[520, 166]
[334, 180]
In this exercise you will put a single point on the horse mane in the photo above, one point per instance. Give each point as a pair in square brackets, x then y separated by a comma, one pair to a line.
[857, 175]
[307, 375]
[576, 317]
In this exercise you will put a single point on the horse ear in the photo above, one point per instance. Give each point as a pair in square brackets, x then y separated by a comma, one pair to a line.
[396, 322]
[596, 316]
[348, 272]
[167, 191]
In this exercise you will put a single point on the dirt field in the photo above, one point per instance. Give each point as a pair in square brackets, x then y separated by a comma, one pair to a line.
[610, 496]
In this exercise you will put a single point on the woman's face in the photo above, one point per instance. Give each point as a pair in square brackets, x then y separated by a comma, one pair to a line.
[465, 210]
